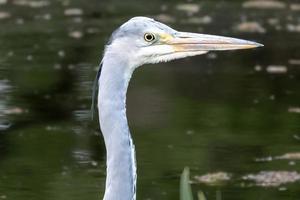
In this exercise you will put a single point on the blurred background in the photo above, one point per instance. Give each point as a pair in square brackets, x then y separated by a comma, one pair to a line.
[232, 117]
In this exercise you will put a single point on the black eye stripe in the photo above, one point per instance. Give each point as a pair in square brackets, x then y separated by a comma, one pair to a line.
[149, 37]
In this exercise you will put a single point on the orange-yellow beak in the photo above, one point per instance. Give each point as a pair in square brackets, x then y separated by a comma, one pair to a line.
[190, 42]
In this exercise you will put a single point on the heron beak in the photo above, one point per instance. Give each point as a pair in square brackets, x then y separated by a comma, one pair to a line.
[193, 42]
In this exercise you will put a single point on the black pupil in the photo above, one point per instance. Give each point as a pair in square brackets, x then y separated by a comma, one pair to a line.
[149, 37]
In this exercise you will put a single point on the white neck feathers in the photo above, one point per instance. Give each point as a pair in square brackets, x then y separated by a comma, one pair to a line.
[121, 166]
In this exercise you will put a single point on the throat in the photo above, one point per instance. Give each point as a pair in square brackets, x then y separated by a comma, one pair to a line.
[120, 160]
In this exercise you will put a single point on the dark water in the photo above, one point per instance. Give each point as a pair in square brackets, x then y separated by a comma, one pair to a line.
[227, 111]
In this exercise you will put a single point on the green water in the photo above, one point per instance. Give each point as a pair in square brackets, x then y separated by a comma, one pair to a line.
[217, 112]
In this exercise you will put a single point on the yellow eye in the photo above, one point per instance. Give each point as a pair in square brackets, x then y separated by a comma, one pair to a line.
[149, 37]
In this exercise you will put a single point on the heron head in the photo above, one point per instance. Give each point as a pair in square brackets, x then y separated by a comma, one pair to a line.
[145, 40]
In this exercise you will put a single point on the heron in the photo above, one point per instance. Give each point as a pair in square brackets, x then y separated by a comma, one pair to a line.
[139, 41]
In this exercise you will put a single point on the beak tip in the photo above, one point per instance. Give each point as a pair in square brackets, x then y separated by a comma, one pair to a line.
[251, 45]
[260, 45]
[256, 44]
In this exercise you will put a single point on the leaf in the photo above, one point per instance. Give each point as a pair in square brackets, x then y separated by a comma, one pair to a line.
[201, 196]
[185, 187]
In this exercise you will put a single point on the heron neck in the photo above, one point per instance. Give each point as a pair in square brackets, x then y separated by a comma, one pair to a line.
[121, 166]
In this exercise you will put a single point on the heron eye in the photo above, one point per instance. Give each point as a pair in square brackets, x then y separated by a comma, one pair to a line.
[149, 37]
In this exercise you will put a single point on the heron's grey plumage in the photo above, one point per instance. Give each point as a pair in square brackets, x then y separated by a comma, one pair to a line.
[136, 27]
[128, 49]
